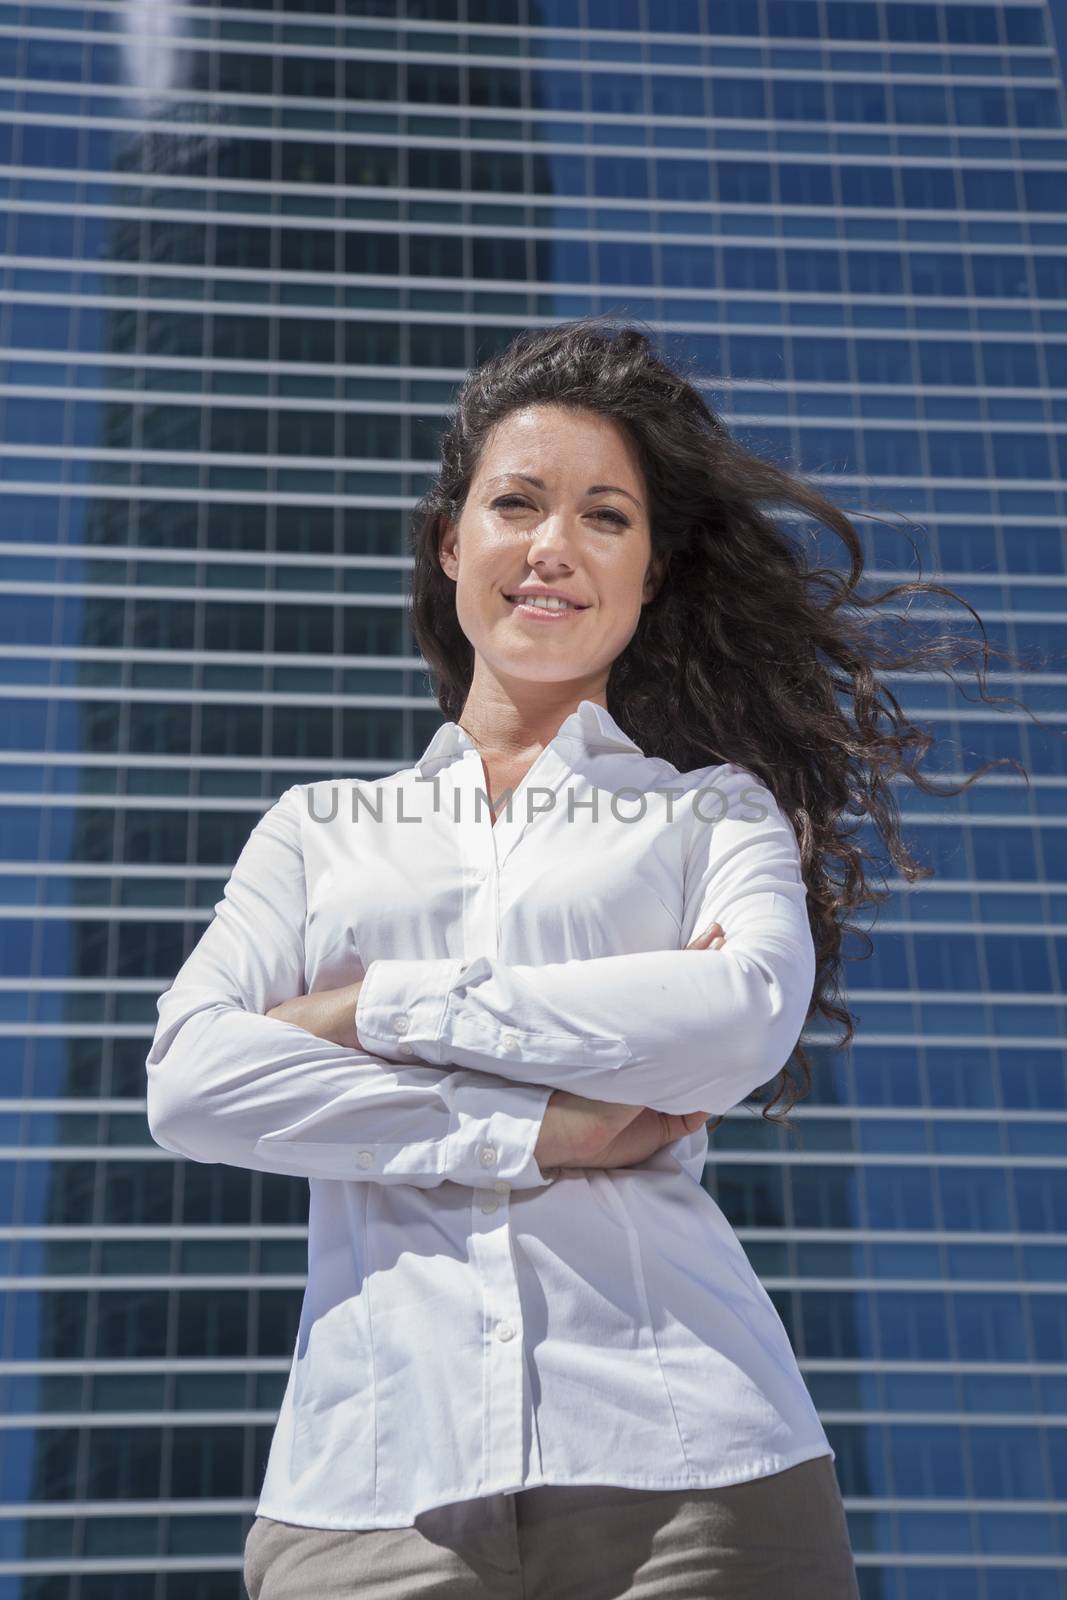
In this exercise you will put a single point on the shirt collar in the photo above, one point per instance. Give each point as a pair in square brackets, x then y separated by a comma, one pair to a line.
[592, 726]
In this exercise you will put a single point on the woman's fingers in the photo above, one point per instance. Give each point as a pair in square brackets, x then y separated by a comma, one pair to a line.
[713, 938]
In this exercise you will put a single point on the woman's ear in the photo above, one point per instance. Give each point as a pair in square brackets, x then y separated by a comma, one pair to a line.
[657, 571]
[446, 551]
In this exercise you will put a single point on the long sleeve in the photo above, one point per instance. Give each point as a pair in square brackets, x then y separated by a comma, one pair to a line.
[226, 1083]
[678, 1030]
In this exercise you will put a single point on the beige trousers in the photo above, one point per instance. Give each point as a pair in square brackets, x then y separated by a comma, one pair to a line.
[784, 1535]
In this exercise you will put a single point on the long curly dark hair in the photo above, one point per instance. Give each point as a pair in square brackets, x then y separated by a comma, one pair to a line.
[748, 652]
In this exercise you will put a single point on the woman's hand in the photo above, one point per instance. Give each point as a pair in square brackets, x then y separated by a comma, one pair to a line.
[648, 1132]
[328, 1014]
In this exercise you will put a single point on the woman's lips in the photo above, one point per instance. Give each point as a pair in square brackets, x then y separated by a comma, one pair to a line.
[543, 614]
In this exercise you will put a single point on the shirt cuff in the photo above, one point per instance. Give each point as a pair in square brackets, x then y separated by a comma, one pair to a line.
[400, 1011]
[498, 1124]
[400, 1016]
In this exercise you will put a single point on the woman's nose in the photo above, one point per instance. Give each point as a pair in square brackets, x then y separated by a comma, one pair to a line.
[552, 535]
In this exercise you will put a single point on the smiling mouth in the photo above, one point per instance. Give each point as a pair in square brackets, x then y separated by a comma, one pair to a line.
[553, 610]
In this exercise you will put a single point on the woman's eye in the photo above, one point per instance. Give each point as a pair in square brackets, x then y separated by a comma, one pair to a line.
[516, 500]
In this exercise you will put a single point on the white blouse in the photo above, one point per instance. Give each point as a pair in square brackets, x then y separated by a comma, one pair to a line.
[471, 1324]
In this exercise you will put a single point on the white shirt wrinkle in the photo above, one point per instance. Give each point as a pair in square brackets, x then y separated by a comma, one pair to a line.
[501, 963]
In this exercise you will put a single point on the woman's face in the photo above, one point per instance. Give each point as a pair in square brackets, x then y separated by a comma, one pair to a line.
[581, 529]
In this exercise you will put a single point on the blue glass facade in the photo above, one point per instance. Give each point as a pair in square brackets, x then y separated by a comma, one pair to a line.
[247, 255]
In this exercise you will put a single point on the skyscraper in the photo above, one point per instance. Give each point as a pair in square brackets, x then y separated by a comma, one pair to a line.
[249, 254]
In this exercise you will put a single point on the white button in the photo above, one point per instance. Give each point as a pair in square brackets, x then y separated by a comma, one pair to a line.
[405, 1048]
[491, 1205]
[502, 1187]
[487, 1155]
[509, 1042]
[504, 1330]
[366, 1158]
[401, 1022]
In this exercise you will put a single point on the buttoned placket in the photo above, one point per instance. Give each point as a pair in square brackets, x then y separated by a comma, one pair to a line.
[484, 850]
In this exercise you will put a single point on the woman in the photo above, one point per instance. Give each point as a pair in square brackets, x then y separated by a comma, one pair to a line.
[533, 1359]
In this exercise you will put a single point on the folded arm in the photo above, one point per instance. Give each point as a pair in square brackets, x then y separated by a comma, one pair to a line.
[226, 1083]
[676, 1030]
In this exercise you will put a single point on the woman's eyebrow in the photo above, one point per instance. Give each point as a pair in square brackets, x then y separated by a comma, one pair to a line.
[594, 488]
